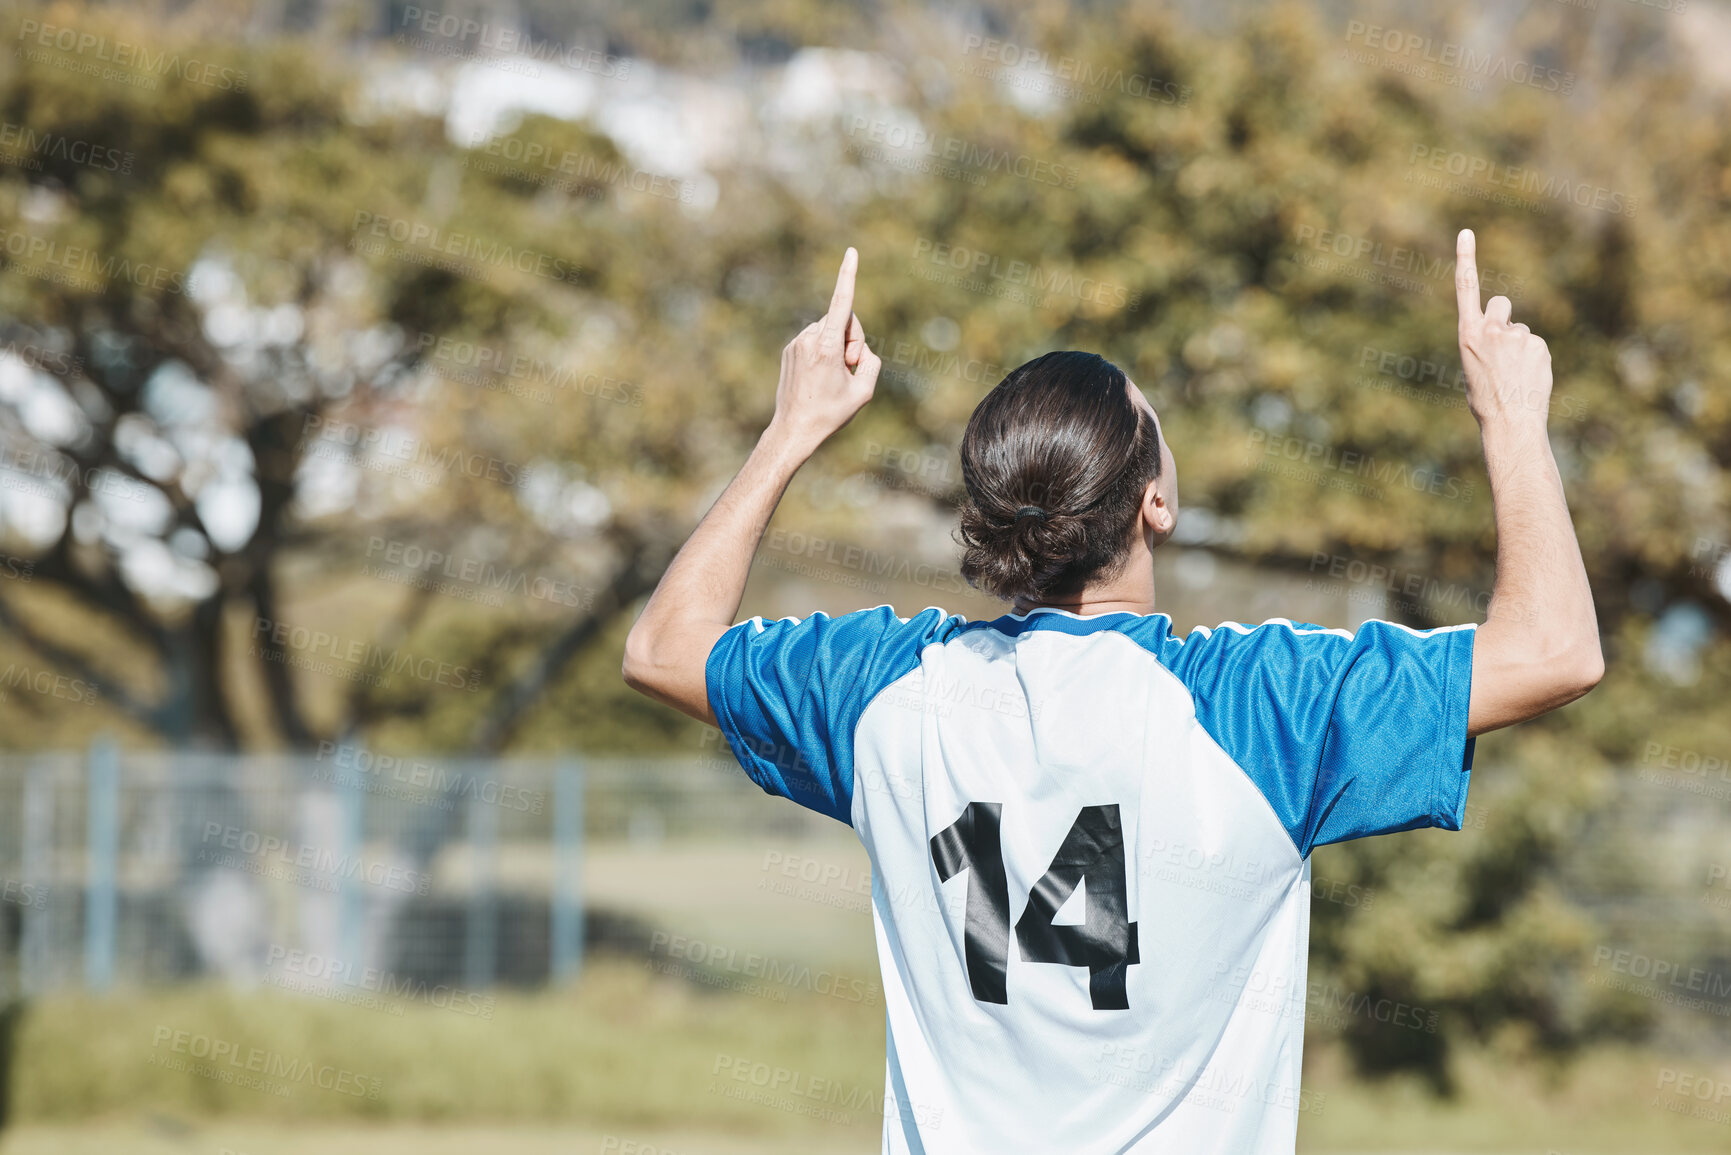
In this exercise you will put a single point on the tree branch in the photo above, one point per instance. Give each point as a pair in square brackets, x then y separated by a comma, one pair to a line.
[109, 689]
[633, 579]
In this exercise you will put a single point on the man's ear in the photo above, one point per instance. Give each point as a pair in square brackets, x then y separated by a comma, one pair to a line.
[1156, 513]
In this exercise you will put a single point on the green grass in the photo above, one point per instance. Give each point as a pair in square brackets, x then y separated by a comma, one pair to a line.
[634, 1056]
[245, 1138]
[623, 1048]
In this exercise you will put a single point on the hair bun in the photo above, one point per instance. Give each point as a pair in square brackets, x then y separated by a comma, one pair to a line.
[1064, 431]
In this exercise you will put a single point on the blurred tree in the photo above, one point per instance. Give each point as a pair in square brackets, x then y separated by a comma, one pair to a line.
[248, 325]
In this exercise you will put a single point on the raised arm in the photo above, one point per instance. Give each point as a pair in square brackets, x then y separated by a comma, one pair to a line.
[827, 374]
[1539, 645]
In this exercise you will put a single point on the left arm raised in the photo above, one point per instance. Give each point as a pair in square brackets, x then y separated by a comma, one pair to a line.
[827, 374]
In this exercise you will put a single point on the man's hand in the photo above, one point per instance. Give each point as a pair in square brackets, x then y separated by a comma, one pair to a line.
[1539, 645]
[827, 372]
[1508, 369]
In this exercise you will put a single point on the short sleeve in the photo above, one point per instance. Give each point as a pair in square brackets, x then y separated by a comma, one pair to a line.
[787, 695]
[1346, 734]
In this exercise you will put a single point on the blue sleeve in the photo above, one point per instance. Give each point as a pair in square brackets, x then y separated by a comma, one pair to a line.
[1346, 734]
[788, 694]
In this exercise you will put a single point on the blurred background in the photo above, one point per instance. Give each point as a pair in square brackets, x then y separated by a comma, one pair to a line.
[362, 364]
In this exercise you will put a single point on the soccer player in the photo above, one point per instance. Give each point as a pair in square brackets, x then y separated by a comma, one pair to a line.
[1090, 838]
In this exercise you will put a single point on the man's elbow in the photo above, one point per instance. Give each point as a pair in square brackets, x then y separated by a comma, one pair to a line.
[1592, 667]
[638, 666]
[1583, 670]
[632, 677]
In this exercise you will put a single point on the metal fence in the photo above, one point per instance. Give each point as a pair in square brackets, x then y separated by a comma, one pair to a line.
[392, 873]
[344, 869]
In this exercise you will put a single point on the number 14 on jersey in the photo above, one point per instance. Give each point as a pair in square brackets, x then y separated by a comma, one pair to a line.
[1105, 942]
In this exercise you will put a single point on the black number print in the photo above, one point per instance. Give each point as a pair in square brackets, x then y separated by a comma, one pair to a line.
[971, 843]
[1092, 854]
[1105, 942]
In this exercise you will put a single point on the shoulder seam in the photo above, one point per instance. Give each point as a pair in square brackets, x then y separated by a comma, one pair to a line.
[1273, 814]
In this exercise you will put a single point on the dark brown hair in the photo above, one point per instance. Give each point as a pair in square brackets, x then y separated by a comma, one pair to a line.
[1055, 460]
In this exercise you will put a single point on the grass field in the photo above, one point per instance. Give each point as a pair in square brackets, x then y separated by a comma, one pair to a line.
[636, 1062]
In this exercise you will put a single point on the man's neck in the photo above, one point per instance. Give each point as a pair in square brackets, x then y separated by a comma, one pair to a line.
[1089, 603]
[1130, 590]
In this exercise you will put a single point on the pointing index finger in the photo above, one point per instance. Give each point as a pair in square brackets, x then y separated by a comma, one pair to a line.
[835, 324]
[1467, 276]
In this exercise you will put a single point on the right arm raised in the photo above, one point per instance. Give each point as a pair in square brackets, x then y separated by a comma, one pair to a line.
[1539, 645]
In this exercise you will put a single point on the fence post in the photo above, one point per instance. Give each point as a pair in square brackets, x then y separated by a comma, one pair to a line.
[481, 934]
[101, 845]
[38, 847]
[351, 902]
[567, 943]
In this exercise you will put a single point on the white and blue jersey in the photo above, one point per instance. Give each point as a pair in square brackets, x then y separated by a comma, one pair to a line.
[1090, 844]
